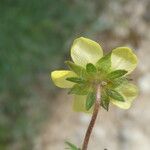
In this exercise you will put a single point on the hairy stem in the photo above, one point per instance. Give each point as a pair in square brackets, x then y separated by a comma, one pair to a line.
[93, 119]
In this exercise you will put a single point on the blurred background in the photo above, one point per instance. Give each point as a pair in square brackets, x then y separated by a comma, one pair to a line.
[35, 38]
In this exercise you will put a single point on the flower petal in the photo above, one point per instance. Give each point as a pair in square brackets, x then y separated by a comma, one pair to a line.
[129, 92]
[84, 51]
[123, 58]
[59, 78]
[79, 104]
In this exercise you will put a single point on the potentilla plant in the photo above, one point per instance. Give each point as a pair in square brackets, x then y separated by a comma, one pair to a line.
[96, 80]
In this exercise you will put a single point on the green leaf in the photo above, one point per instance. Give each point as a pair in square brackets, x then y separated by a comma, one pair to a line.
[79, 89]
[90, 100]
[104, 64]
[71, 146]
[90, 68]
[105, 101]
[79, 70]
[116, 74]
[118, 82]
[76, 80]
[129, 92]
[115, 95]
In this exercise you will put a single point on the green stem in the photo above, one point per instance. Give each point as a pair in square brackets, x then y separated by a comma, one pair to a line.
[93, 119]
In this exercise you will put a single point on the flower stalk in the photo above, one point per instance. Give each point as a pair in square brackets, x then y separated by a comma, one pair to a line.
[97, 80]
[93, 119]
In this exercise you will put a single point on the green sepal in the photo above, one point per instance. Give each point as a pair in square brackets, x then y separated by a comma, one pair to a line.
[79, 89]
[104, 64]
[116, 74]
[105, 100]
[79, 70]
[115, 95]
[71, 146]
[118, 82]
[91, 69]
[90, 100]
[76, 80]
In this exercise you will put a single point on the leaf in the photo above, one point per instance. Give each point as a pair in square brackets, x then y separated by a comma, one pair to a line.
[90, 100]
[105, 101]
[115, 95]
[118, 82]
[71, 146]
[116, 74]
[90, 68]
[79, 70]
[104, 64]
[130, 92]
[76, 80]
[79, 89]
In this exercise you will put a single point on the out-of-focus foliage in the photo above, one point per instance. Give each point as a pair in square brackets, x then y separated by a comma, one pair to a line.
[34, 36]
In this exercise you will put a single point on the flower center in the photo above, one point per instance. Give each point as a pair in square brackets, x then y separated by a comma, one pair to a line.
[104, 83]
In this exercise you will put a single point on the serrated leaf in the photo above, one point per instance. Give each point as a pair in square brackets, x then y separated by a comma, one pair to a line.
[104, 64]
[79, 89]
[105, 101]
[90, 68]
[79, 70]
[76, 80]
[90, 100]
[116, 74]
[71, 146]
[115, 95]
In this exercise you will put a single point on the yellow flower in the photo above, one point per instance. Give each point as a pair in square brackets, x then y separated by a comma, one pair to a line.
[91, 67]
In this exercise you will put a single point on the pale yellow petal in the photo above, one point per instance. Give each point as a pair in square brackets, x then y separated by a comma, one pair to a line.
[129, 92]
[123, 105]
[85, 51]
[79, 104]
[123, 58]
[59, 78]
